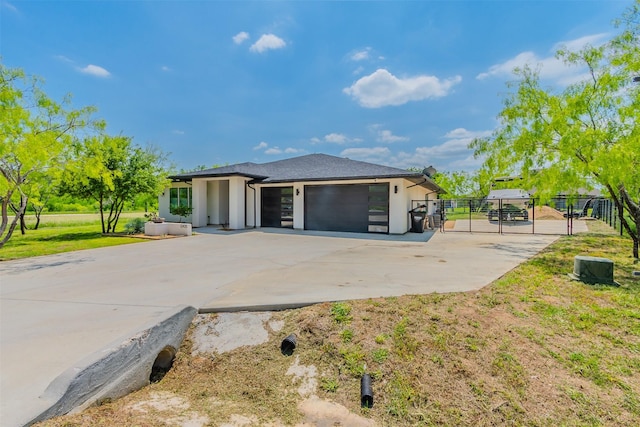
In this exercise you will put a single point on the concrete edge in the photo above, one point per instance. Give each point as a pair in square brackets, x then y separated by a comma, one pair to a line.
[264, 307]
[117, 369]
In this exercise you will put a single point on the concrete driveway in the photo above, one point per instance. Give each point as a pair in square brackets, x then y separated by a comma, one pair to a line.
[58, 309]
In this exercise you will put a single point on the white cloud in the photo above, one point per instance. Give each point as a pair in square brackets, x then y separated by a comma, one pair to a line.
[267, 42]
[335, 138]
[278, 150]
[64, 59]
[360, 55]
[9, 6]
[506, 68]
[549, 67]
[374, 154]
[420, 159]
[383, 88]
[388, 137]
[95, 70]
[240, 37]
[294, 150]
[177, 132]
[450, 148]
[165, 68]
[358, 70]
[453, 154]
[273, 150]
[582, 42]
[462, 133]
[261, 146]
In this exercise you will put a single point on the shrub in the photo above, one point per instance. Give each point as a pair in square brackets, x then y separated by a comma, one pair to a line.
[135, 226]
[341, 312]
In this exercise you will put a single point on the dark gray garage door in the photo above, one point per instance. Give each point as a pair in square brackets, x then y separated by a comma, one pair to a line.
[359, 208]
[277, 207]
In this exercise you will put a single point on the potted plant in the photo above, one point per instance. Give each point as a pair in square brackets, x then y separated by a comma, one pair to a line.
[153, 217]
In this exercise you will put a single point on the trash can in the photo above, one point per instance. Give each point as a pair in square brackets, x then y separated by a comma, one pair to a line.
[417, 221]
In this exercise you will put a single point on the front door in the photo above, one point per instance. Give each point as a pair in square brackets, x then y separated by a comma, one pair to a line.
[277, 207]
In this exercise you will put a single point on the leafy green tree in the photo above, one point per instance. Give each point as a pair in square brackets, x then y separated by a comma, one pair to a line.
[40, 194]
[584, 135]
[112, 171]
[197, 168]
[463, 184]
[35, 132]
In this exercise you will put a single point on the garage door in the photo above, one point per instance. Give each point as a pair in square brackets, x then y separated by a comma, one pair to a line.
[359, 208]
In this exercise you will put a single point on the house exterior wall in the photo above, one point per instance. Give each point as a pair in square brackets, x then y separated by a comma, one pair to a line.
[398, 212]
[209, 200]
[237, 200]
[199, 203]
[231, 201]
[298, 206]
[399, 203]
[163, 204]
[252, 203]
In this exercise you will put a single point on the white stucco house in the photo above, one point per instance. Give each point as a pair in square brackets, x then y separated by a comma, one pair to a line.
[312, 192]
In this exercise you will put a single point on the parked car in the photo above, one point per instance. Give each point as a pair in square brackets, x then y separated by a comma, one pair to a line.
[509, 212]
[512, 203]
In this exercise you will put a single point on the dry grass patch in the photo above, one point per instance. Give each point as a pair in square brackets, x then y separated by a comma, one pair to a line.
[533, 348]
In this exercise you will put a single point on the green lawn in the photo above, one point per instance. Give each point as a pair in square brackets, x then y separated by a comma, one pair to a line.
[61, 236]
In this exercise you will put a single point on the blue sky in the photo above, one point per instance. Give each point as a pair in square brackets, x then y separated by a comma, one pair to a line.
[401, 83]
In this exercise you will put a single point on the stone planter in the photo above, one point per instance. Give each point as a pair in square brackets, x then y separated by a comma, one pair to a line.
[164, 228]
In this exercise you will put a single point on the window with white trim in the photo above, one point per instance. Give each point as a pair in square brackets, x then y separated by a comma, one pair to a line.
[179, 197]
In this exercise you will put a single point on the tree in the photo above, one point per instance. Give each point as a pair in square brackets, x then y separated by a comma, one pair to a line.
[40, 194]
[462, 184]
[182, 211]
[35, 131]
[112, 171]
[584, 135]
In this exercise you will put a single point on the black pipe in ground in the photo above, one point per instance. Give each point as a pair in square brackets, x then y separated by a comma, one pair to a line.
[366, 394]
[288, 345]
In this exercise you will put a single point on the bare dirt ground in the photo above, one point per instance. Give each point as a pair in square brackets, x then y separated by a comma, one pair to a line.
[545, 212]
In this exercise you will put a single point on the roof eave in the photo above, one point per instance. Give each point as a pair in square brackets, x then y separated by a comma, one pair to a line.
[336, 178]
[187, 177]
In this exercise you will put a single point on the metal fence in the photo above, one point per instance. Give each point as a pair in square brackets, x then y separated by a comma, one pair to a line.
[524, 216]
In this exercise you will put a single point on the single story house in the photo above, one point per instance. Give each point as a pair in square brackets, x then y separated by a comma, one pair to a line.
[312, 192]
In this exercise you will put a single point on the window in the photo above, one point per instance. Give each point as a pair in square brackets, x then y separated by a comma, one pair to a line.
[379, 208]
[179, 197]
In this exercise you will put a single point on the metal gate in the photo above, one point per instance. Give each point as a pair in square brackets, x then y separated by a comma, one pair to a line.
[524, 215]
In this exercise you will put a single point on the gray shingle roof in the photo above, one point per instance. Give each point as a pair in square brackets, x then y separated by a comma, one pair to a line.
[312, 167]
